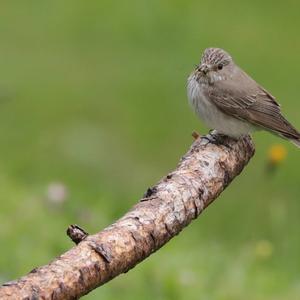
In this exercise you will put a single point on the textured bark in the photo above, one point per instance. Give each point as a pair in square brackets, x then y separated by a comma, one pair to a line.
[165, 210]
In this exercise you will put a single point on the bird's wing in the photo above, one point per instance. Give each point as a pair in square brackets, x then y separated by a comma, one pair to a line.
[250, 102]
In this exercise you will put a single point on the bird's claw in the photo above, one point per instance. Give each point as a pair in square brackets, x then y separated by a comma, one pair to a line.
[213, 137]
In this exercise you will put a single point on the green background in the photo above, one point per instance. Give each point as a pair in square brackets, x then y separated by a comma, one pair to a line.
[93, 97]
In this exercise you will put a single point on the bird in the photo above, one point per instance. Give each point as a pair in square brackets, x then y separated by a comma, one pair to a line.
[231, 103]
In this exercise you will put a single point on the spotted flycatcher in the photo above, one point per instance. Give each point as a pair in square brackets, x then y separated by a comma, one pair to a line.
[231, 102]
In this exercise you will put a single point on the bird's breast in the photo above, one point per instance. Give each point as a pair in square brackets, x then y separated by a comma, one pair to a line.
[210, 114]
[203, 107]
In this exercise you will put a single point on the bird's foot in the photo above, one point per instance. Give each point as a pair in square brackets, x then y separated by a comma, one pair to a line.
[213, 137]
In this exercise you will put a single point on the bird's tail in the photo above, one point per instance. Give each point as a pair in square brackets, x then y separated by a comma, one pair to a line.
[296, 142]
[293, 136]
[276, 123]
[287, 131]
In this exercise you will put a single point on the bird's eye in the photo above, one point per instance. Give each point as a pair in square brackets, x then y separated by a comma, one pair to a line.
[220, 66]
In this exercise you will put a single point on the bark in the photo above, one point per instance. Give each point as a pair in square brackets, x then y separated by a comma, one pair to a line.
[166, 208]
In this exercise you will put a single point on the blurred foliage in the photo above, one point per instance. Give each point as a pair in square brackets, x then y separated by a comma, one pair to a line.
[94, 110]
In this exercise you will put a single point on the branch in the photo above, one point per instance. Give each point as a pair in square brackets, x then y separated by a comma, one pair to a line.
[202, 174]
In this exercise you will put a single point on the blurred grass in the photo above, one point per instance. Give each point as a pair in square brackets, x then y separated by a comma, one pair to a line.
[92, 95]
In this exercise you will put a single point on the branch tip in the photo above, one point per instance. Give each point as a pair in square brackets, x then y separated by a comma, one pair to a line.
[76, 233]
[195, 135]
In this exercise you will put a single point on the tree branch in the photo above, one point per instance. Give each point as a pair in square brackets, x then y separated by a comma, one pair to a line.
[202, 174]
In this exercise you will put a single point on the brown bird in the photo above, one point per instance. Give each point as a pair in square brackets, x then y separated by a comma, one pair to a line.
[231, 102]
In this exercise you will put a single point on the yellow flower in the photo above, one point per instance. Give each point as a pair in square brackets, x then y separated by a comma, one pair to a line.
[277, 153]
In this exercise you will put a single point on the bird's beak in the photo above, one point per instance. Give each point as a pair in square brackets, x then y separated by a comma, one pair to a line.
[203, 69]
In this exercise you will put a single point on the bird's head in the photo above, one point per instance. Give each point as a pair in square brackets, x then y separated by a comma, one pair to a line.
[215, 64]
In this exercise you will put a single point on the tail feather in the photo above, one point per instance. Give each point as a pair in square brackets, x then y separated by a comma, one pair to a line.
[278, 125]
[293, 138]
[289, 132]
[296, 142]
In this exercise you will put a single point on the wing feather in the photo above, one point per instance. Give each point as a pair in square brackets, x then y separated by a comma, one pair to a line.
[252, 103]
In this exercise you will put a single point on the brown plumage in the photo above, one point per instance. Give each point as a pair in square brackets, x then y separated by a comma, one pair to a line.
[229, 89]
